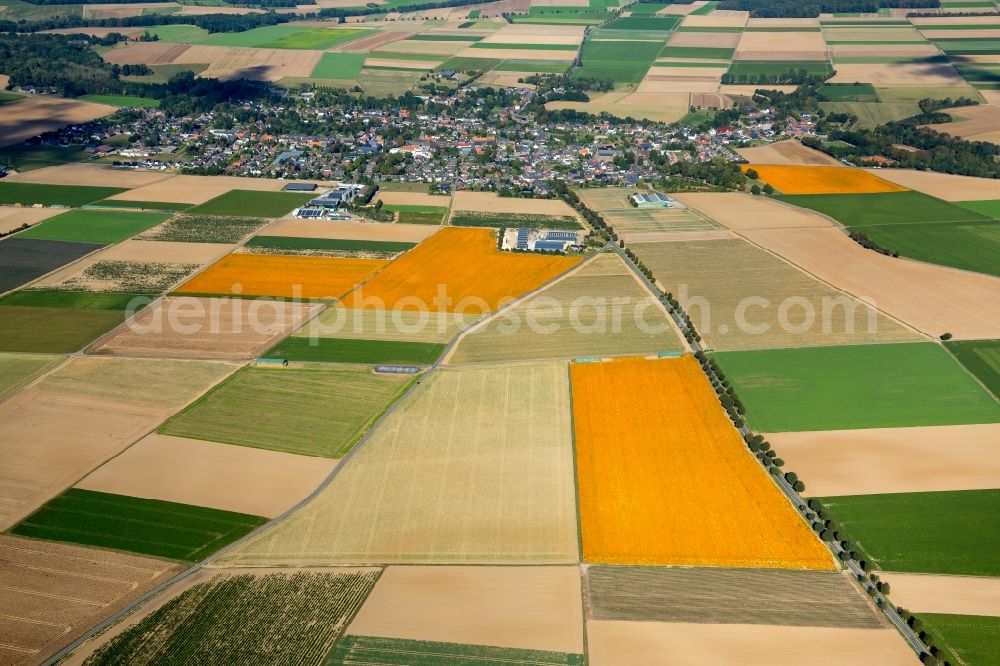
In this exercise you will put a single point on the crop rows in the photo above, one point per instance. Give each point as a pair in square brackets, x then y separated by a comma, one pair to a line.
[204, 229]
[528, 220]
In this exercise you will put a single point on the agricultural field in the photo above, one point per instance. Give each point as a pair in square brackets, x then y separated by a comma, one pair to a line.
[916, 384]
[641, 224]
[207, 474]
[338, 322]
[932, 299]
[786, 153]
[388, 651]
[452, 501]
[958, 595]
[290, 408]
[789, 308]
[262, 204]
[123, 101]
[255, 617]
[939, 532]
[332, 247]
[12, 218]
[600, 309]
[186, 228]
[622, 61]
[982, 359]
[965, 639]
[47, 324]
[475, 275]
[638, 506]
[502, 220]
[94, 407]
[143, 526]
[821, 180]
[36, 115]
[94, 226]
[948, 187]
[63, 590]
[16, 370]
[297, 277]
[916, 225]
[718, 595]
[741, 212]
[206, 328]
[916, 459]
[527, 608]
[28, 194]
[416, 214]
[368, 352]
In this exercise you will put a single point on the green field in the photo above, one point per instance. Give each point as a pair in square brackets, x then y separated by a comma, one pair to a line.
[526, 47]
[644, 23]
[971, 246]
[86, 300]
[952, 532]
[16, 370]
[981, 358]
[907, 207]
[465, 64]
[339, 65]
[862, 386]
[558, 20]
[94, 226]
[778, 67]
[297, 243]
[873, 114]
[179, 34]
[163, 73]
[280, 37]
[245, 619]
[697, 52]
[501, 220]
[58, 329]
[969, 640]
[367, 352]
[28, 194]
[647, 8]
[124, 101]
[318, 410]
[252, 202]
[149, 527]
[968, 46]
[990, 207]
[374, 651]
[541, 66]
[621, 60]
[849, 92]
[169, 206]
[23, 157]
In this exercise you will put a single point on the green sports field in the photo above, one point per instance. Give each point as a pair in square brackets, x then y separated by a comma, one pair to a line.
[969, 640]
[949, 532]
[339, 65]
[317, 410]
[981, 358]
[861, 386]
[374, 651]
[94, 226]
[53, 329]
[368, 352]
[124, 101]
[149, 527]
[28, 194]
[251, 202]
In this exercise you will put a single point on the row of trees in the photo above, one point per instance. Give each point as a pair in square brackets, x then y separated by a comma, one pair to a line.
[813, 8]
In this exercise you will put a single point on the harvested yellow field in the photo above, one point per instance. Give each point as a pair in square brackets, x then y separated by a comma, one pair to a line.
[36, 115]
[420, 65]
[457, 269]
[88, 174]
[284, 276]
[717, 19]
[944, 185]
[665, 479]
[961, 595]
[821, 180]
[757, 45]
[787, 153]
[225, 62]
[738, 211]
[649, 102]
[145, 53]
[541, 53]
[973, 123]
[900, 74]
[724, 40]
[401, 325]
[12, 217]
[199, 189]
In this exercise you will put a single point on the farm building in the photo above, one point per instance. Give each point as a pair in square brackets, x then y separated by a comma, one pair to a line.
[653, 200]
[543, 240]
[300, 187]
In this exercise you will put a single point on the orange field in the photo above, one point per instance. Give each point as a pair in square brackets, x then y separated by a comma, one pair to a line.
[277, 275]
[821, 180]
[665, 479]
[465, 265]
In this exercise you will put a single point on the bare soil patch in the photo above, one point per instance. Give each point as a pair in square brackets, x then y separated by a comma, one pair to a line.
[403, 64]
[146, 53]
[89, 174]
[413, 199]
[141, 251]
[12, 217]
[408, 233]
[519, 607]
[932, 299]
[220, 476]
[743, 211]
[60, 428]
[53, 592]
[789, 152]
[975, 123]
[840, 462]
[899, 74]
[488, 202]
[783, 23]
[199, 189]
[536, 29]
[960, 595]
[540, 53]
[206, 328]
[618, 643]
[417, 47]
[36, 115]
[783, 42]
[500, 38]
